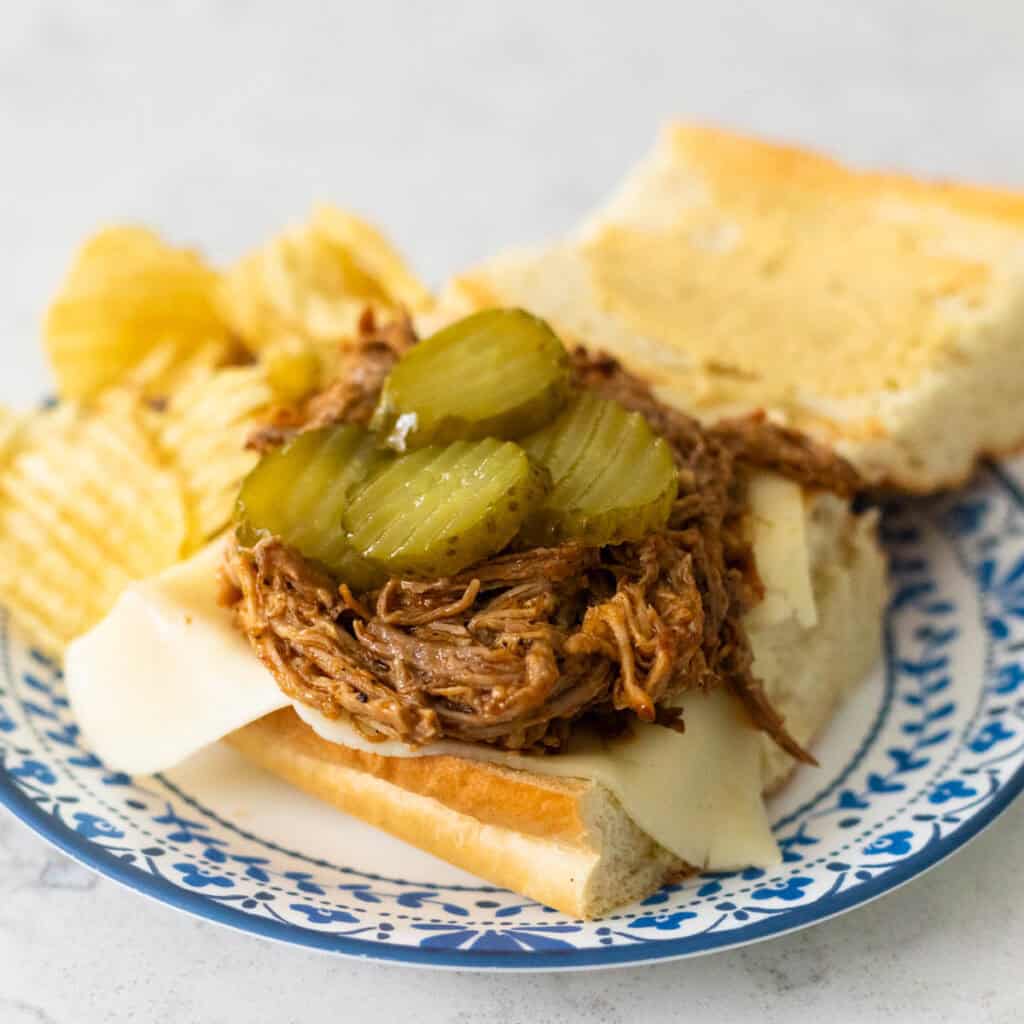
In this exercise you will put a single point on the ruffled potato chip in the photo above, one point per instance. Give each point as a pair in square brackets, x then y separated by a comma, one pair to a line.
[111, 486]
[314, 280]
[128, 293]
[166, 369]
[294, 368]
[86, 506]
[202, 431]
[377, 257]
[11, 424]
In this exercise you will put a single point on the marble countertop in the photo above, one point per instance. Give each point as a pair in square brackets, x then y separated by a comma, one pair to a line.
[463, 128]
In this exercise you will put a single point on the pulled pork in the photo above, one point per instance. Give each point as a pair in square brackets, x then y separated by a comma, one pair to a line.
[512, 651]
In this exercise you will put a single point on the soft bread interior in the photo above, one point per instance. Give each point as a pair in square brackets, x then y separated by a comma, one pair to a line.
[880, 313]
[569, 843]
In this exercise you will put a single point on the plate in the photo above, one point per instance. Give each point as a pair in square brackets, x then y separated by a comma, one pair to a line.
[918, 761]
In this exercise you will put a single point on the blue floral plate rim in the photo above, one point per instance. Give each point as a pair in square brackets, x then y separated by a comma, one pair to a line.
[85, 853]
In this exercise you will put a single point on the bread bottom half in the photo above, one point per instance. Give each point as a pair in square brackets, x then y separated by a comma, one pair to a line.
[568, 843]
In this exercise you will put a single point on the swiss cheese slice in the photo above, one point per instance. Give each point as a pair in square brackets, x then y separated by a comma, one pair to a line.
[166, 673]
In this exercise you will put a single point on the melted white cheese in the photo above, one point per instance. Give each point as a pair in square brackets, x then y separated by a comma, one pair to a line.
[779, 536]
[166, 673]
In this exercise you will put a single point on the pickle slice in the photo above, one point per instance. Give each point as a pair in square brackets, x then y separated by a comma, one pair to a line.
[613, 478]
[499, 373]
[436, 510]
[299, 492]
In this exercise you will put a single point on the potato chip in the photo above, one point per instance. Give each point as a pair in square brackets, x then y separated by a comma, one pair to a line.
[165, 369]
[294, 367]
[128, 293]
[203, 431]
[85, 508]
[314, 280]
[11, 424]
[377, 257]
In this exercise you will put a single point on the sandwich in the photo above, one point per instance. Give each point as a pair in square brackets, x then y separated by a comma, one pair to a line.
[541, 624]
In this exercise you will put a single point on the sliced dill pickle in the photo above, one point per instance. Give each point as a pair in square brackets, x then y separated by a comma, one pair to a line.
[299, 491]
[438, 509]
[613, 478]
[499, 373]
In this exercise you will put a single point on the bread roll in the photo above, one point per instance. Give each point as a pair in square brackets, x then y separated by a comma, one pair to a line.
[878, 312]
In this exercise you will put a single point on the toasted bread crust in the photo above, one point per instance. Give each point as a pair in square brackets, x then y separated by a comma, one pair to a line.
[584, 872]
[530, 803]
[781, 164]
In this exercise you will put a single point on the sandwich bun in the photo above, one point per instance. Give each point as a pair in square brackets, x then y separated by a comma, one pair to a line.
[879, 313]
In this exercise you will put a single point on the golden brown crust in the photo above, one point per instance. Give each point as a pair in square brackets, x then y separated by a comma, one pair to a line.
[533, 804]
[786, 163]
[514, 829]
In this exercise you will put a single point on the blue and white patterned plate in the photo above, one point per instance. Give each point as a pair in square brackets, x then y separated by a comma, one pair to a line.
[922, 758]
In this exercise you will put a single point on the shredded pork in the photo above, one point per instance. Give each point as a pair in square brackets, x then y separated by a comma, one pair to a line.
[512, 651]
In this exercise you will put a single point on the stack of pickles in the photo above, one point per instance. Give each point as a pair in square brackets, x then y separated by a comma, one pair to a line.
[479, 440]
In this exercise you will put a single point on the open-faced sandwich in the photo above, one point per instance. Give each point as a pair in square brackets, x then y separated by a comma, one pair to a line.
[505, 604]
[553, 599]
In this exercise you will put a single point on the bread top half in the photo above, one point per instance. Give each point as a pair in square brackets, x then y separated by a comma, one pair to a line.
[875, 311]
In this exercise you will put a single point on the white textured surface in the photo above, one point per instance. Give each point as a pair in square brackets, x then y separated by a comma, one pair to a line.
[463, 128]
